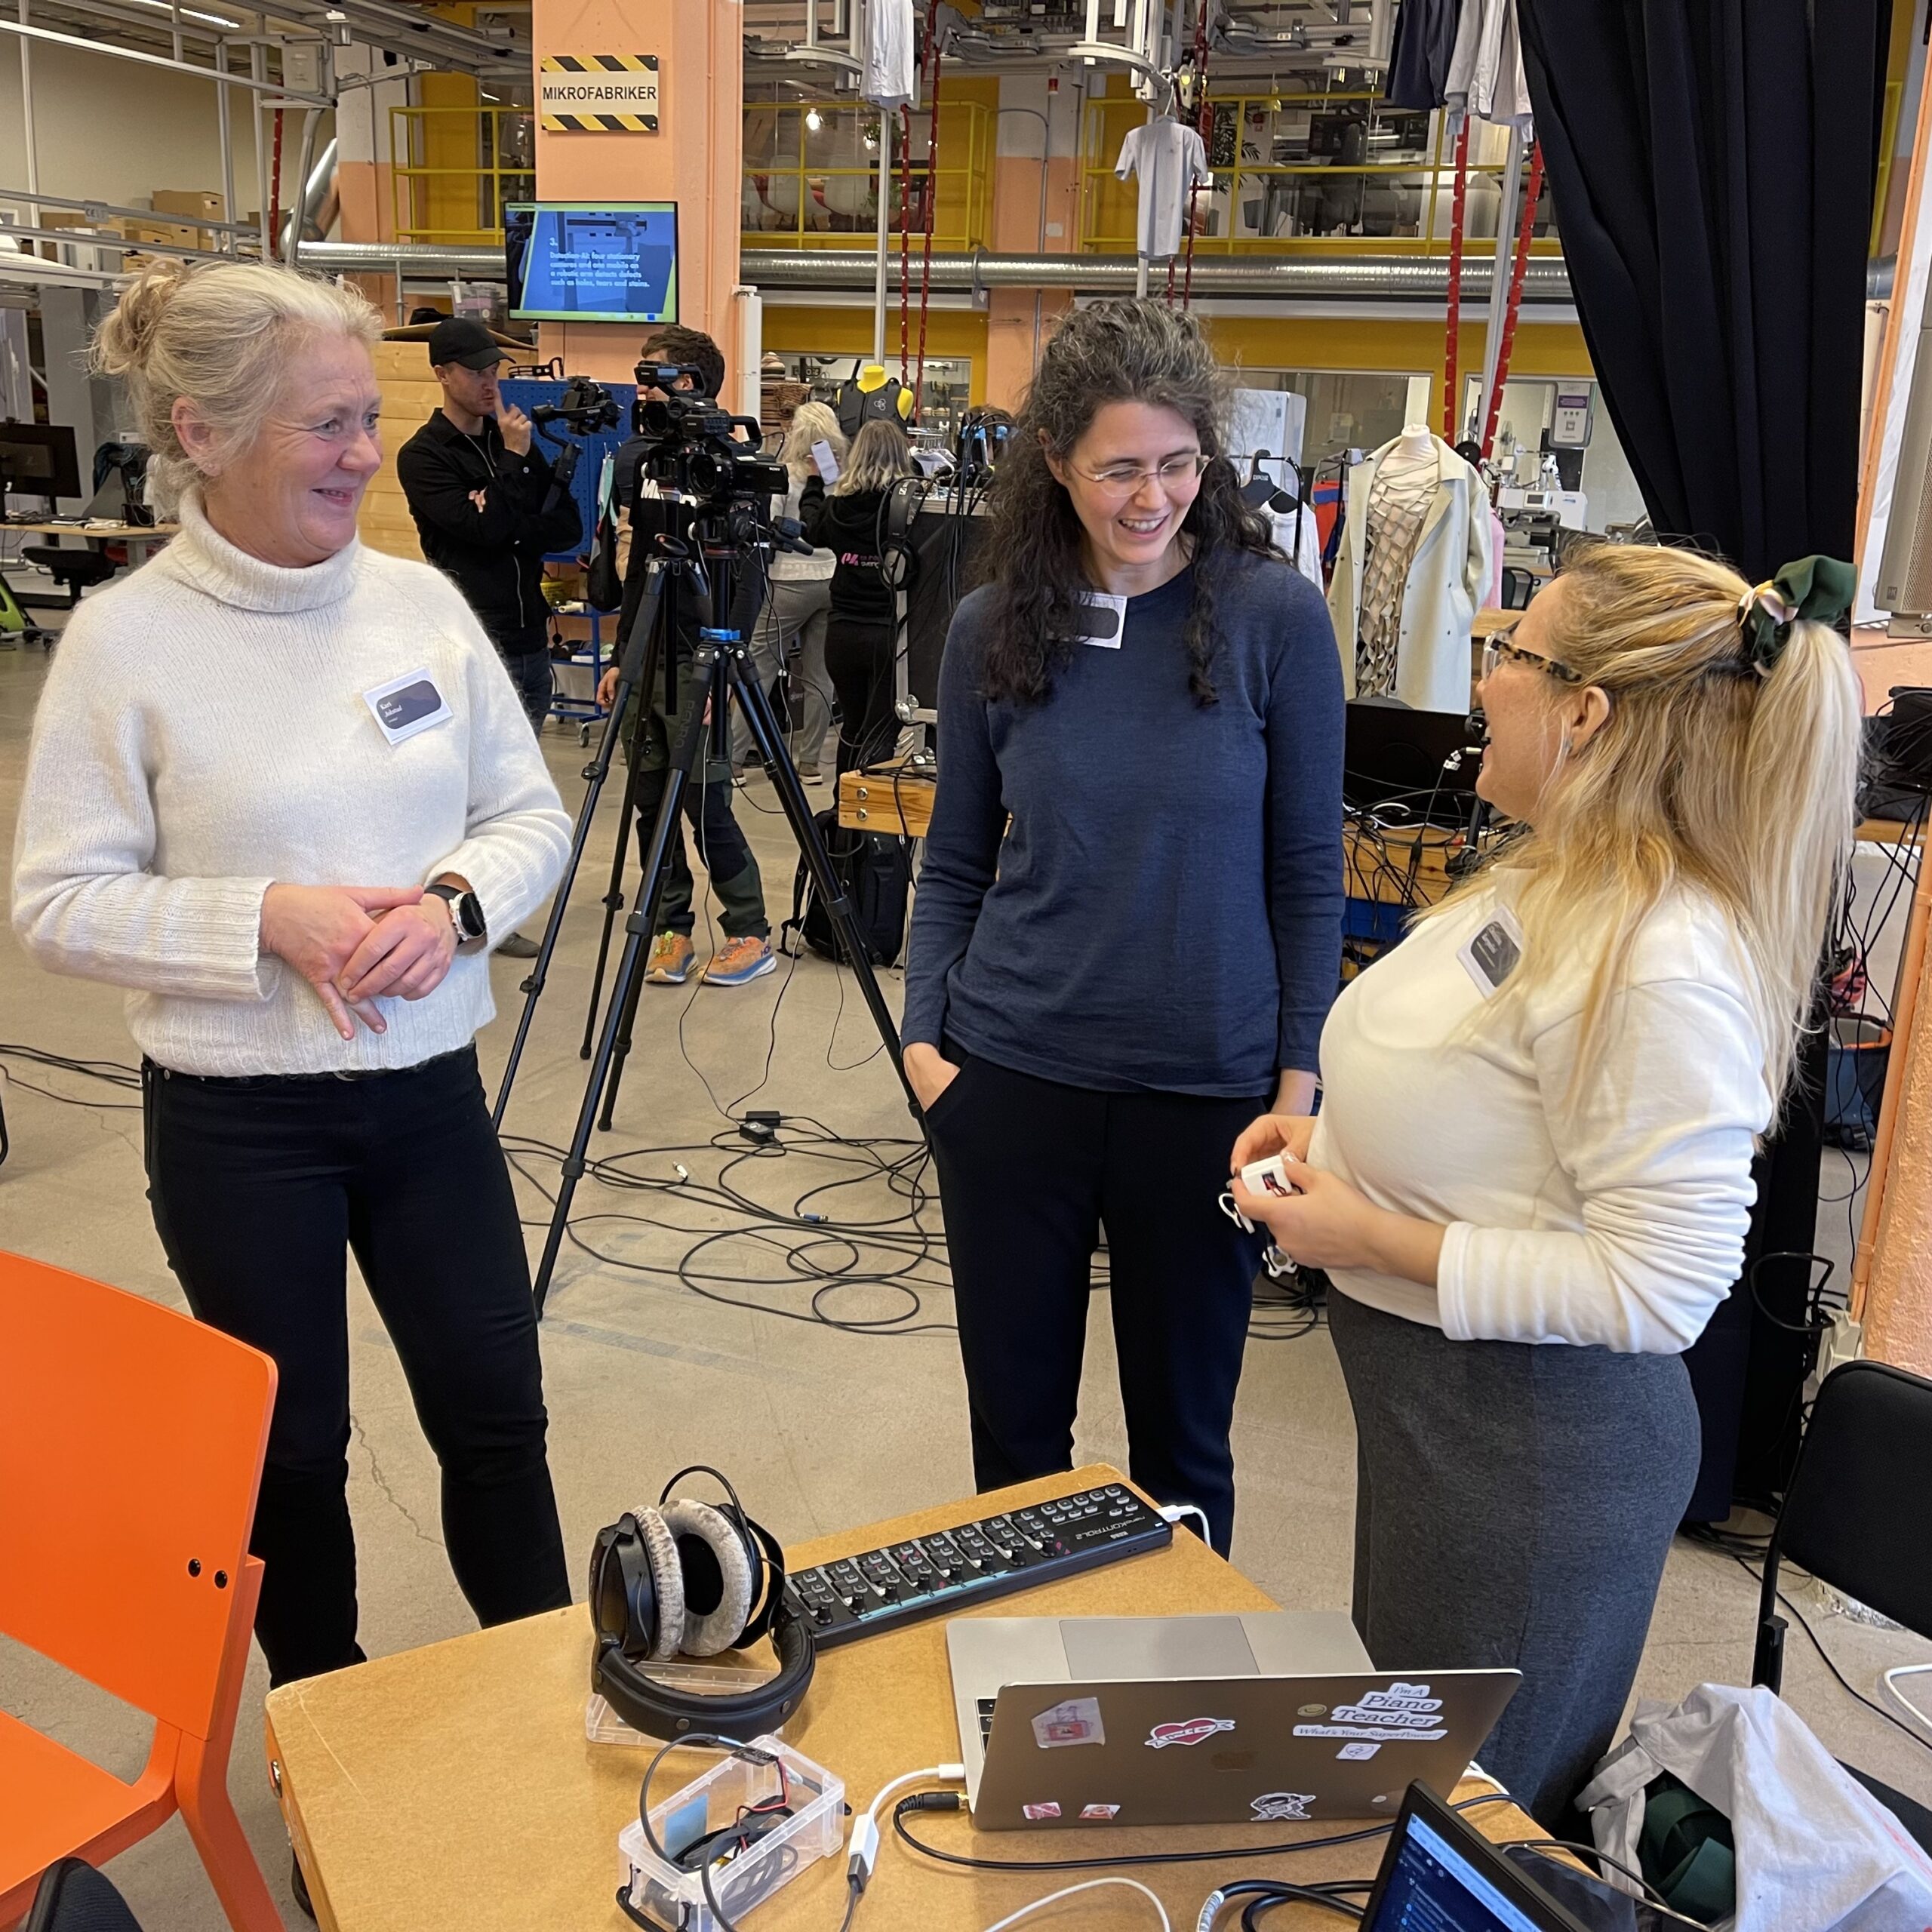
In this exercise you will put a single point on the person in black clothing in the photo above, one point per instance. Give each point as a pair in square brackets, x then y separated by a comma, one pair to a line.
[746, 954]
[860, 639]
[487, 507]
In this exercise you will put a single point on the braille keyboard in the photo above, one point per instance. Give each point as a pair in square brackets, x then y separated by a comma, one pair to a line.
[941, 1574]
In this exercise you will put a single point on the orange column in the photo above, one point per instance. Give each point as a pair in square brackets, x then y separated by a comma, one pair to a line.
[1035, 209]
[695, 158]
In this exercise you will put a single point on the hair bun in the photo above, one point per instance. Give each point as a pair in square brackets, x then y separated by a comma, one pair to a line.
[125, 339]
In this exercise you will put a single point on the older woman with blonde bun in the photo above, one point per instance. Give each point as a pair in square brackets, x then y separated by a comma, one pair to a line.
[1531, 1177]
[280, 789]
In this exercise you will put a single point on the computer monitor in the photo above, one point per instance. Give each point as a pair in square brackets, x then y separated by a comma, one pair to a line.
[591, 262]
[1439, 1874]
[1424, 760]
[38, 460]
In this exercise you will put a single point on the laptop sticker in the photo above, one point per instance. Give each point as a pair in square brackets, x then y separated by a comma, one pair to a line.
[406, 706]
[1354, 1752]
[1276, 1807]
[1037, 1812]
[1402, 1712]
[1100, 1813]
[1192, 1730]
[1075, 1722]
[1490, 957]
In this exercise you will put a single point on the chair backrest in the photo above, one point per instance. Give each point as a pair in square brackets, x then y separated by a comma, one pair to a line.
[131, 1440]
[1858, 1514]
[72, 1896]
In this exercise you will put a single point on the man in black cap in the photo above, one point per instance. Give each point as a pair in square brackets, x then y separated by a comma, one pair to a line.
[488, 511]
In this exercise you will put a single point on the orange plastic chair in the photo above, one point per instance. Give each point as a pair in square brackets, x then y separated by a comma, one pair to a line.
[131, 1440]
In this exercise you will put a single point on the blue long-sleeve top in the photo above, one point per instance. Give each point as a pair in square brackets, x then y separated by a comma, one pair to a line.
[1123, 889]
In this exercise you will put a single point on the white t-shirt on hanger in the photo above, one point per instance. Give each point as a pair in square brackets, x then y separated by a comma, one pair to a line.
[888, 76]
[1169, 159]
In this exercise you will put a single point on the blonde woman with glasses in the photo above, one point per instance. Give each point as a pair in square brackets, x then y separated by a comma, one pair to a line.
[1531, 1177]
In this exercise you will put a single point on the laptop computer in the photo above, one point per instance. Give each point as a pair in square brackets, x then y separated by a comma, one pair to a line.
[1092, 1721]
[1439, 1872]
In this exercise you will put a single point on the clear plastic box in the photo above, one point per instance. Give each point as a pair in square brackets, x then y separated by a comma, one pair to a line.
[602, 1725]
[733, 1786]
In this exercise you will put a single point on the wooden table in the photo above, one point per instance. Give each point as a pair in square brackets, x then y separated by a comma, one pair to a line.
[140, 538]
[453, 1787]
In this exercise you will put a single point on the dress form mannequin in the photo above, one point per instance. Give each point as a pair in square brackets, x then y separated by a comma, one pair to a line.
[1400, 495]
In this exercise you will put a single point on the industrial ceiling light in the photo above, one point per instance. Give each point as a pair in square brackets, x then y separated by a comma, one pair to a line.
[814, 119]
[193, 13]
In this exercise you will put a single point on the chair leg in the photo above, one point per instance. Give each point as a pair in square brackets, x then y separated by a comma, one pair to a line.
[201, 1782]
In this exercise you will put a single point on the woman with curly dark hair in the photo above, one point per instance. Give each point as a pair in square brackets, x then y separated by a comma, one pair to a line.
[1129, 920]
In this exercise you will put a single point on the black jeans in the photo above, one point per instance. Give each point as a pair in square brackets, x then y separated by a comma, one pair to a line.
[260, 1187]
[526, 654]
[858, 658]
[1029, 1173]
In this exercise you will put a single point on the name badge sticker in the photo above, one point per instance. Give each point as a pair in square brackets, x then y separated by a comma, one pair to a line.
[407, 705]
[1101, 619]
[1493, 954]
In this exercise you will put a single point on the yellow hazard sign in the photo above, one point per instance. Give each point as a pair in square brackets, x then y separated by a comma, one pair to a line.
[598, 94]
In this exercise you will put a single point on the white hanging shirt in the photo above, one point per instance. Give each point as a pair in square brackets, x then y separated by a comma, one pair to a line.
[1485, 76]
[888, 77]
[1169, 159]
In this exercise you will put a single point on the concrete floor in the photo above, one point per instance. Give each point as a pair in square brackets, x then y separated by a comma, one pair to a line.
[823, 1430]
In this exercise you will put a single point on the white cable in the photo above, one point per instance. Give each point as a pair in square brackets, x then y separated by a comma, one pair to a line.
[1172, 1512]
[863, 1852]
[1053, 1898]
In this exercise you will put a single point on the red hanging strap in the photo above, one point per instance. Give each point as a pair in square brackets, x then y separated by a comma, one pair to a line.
[1449, 409]
[1194, 192]
[1517, 269]
[932, 199]
[275, 191]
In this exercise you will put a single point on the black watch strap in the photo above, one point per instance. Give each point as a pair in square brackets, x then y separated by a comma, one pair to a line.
[468, 912]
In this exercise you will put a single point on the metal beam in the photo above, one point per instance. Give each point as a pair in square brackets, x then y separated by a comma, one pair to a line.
[214, 73]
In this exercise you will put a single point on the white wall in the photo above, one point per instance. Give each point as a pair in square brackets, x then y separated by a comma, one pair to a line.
[114, 130]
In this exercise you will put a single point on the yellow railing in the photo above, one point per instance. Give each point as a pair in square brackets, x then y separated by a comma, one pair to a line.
[1260, 205]
[457, 166]
[811, 175]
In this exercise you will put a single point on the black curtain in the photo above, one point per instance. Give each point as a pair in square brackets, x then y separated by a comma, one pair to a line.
[1712, 165]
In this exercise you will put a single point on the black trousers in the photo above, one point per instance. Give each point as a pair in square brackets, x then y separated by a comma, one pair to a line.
[1030, 1172]
[858, 659]
[260, 1188]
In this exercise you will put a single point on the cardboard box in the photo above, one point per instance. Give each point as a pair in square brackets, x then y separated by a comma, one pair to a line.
[204, 207]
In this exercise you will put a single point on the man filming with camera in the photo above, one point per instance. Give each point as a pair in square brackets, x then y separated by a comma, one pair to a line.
[653, 510]
[487, 504]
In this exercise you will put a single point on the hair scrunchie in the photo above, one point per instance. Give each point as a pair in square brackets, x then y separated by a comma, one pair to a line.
[1819, 589]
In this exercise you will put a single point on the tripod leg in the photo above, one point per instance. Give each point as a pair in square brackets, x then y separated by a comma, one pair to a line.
[630, 962]
[614, 894]
[785, 780]
[595, 774]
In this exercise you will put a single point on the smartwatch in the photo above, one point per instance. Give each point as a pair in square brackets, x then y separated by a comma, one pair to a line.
[466, 913]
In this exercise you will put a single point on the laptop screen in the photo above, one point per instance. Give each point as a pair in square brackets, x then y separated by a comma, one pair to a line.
[1429, 1885]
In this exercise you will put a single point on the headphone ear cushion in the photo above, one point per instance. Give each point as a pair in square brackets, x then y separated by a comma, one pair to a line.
[667, 1573]
[721, 1626]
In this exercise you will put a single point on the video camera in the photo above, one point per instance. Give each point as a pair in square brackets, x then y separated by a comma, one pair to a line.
[585, 407]
[690, 447]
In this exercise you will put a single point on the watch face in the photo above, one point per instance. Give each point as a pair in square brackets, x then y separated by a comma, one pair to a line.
[471, 914]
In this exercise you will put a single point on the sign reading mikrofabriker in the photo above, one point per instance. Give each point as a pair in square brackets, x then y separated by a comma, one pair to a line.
[598, 94]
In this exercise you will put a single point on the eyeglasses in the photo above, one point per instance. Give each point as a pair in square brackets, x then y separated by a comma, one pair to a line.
[1123, 479]
[1500, 649]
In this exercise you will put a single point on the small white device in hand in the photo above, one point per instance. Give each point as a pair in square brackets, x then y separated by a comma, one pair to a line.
[826, 463]
[1268, 1176]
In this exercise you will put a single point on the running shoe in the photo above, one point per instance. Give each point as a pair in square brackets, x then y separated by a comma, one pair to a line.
[670, 961]
[742, 961]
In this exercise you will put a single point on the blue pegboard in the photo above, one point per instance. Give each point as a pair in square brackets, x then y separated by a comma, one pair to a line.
[526, 396]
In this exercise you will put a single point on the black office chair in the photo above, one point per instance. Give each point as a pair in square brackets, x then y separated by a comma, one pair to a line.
[1866, 1460]
[74, 571]
[74, 1897]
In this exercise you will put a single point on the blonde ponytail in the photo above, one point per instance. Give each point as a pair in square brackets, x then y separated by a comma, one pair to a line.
[1722, 767]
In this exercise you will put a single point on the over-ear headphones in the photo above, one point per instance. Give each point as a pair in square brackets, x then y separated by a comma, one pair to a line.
[695, 1578]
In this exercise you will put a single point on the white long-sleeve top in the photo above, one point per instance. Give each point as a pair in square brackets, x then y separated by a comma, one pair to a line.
[204, 734]
[1614, 1214]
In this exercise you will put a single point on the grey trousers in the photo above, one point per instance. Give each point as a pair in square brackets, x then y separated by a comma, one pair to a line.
[795, 618]
[1514, 1505]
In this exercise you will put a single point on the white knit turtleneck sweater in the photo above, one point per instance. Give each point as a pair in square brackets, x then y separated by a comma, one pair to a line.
[203, 734]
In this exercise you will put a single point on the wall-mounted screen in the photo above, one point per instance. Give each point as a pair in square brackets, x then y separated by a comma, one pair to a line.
[576, 262]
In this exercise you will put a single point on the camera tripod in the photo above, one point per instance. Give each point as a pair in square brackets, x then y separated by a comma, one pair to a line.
[721, 667]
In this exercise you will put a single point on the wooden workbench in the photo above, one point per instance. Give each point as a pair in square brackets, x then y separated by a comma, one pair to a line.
[140, 538]
[452, 1789]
